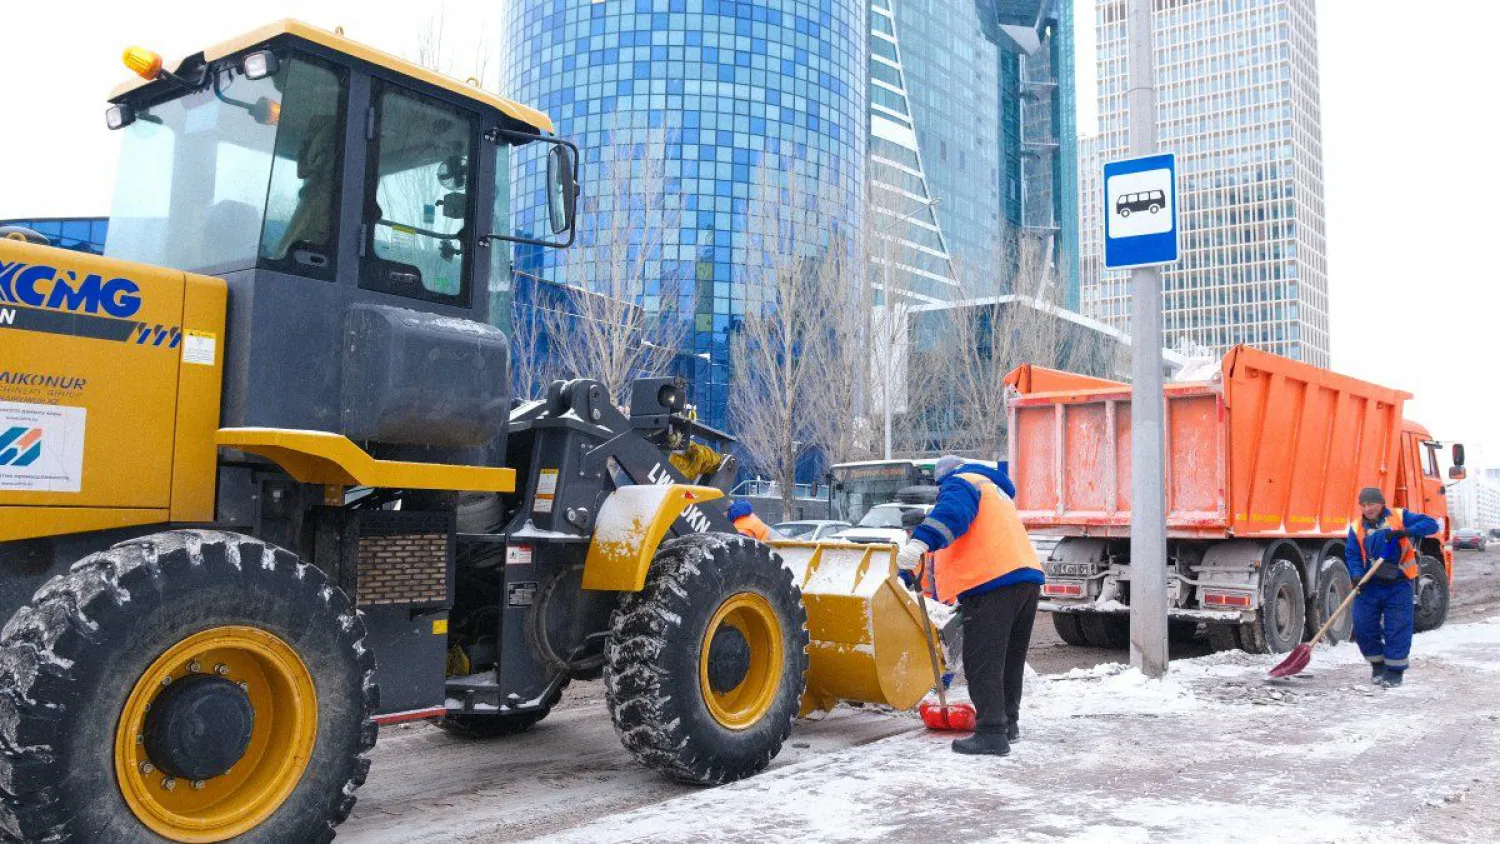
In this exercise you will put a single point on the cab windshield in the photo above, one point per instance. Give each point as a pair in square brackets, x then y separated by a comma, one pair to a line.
[238, 173]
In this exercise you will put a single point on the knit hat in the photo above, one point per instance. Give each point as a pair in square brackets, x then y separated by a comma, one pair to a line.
[946, 465]
[1371, 495]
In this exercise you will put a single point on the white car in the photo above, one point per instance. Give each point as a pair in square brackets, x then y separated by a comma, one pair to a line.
[809, 530]
[881, 524]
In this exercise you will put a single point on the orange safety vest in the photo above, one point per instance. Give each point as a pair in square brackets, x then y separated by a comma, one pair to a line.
[752, 526]
[1395, 521]
[994, 545]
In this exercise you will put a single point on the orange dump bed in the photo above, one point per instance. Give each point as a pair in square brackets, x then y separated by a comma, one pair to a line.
[1271, 447]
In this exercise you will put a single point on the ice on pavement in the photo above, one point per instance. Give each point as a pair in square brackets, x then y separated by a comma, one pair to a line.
[1213, 752]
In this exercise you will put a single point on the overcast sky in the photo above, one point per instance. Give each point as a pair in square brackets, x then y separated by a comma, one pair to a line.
[1409, 138]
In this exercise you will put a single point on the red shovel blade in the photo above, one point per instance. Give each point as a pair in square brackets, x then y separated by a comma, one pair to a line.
[1294, 662]
[954, 717]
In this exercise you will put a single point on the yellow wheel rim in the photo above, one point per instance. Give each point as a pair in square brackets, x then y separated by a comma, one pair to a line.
[745, 704]
[285, 703]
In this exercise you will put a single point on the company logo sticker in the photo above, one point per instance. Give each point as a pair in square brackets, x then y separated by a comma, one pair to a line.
[20, 446]
[41, 447]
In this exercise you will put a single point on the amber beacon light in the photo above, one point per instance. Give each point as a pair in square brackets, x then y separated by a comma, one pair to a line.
[142, 62]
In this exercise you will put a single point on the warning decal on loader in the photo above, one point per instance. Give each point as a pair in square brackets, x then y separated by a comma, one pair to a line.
[546, 491]
[41, 447]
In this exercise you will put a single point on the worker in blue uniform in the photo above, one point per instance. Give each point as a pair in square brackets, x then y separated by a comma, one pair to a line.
[1384, 611]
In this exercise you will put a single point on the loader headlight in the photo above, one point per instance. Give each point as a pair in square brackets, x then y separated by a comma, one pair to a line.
[259, 65]
[119, 116]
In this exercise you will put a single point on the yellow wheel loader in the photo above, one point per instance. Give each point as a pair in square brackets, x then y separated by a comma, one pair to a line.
[263, 486]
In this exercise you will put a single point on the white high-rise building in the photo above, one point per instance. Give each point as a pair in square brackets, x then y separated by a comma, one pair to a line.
[1237, 101]
[1474, 503]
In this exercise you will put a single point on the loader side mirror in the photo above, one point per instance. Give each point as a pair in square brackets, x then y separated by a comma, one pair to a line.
[1457, 473]
[562, 189]
[1458, 455]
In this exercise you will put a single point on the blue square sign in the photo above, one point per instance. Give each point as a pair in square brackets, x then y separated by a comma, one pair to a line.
[1140, 212]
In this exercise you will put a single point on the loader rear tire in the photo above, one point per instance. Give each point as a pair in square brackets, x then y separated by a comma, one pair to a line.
[705, 666]
[1069, 628]
[201, 624]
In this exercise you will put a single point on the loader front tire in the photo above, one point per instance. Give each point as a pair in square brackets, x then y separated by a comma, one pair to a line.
[705, 666]
[189, 685]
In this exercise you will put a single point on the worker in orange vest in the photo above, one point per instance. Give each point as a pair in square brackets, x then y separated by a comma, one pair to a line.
[746, 522]
[1384, 610]
[983, 558]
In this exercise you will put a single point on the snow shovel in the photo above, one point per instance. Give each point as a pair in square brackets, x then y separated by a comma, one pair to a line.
[957, 717]
[1297, 660]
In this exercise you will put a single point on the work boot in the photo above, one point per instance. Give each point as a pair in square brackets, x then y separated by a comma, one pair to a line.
[1013, 731]
[1392, 679]
[1377, 673]
[985, 742]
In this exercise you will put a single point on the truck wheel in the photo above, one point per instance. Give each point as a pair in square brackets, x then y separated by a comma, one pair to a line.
[1278, 626]
[1070, 628]
[1224, 637]
[705, 666]
[1182, 632]
[194, 685]
[495, 726]
[1432, 594]
[1103, 630]
[1333, 587]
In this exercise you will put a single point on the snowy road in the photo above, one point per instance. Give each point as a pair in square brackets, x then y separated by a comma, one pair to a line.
[1216, 753]
[570, 777]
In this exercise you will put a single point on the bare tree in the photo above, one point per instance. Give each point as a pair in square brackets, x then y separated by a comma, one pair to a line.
[1003, 316]
[621, 317]
[798, 279]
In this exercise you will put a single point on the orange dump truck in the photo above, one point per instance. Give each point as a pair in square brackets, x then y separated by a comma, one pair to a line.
[1264, 462]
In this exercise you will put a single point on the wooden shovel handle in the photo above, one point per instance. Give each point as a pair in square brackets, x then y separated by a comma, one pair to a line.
[937, 672]
[1318, 637]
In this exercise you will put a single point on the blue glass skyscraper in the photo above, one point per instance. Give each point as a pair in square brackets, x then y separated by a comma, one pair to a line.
[731, 93]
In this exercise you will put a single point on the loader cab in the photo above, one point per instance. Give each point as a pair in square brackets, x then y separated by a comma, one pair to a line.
[352, 202]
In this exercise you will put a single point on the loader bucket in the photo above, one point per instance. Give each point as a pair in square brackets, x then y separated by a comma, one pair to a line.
[867, 636]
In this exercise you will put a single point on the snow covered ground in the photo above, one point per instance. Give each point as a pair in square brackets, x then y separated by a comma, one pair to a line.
[1214, 753]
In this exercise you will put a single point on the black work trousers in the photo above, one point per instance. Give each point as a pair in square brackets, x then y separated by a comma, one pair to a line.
[997, 632]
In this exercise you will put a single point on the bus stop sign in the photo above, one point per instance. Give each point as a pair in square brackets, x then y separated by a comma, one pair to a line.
[1140, 212]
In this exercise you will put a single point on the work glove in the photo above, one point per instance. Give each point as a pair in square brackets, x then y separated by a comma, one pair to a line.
[911, 555]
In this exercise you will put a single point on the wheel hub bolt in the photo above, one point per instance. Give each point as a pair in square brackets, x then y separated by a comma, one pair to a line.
[197, 785]
[169, 783]
[221, 669]
[147, 767]
[167, 680]
[194, 666]
[244, 686]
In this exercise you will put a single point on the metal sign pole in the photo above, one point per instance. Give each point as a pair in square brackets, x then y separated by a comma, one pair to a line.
[1148, 539]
